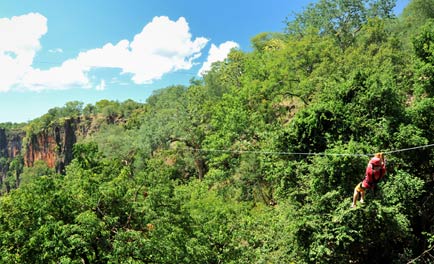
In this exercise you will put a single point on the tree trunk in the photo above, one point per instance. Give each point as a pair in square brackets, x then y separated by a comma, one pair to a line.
[200, 166]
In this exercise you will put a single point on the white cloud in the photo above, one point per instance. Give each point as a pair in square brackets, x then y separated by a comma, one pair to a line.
[171, 49]
[19, 43]
[69, 74]
[215, 54]
[101, 86]
[161, 47]
[58, 50]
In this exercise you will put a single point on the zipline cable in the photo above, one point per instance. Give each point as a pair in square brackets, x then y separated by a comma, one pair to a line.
[302, 153]
[276, 153]
[406, 149]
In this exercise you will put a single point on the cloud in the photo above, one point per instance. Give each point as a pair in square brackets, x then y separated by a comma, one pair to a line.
[215, 54]
[170, 49]
[163, 46]
[19, 43]
[58, 50]
[101, 86]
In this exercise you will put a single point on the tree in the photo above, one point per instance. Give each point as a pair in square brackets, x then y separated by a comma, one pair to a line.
[424, 50]
[176, 114]
[16, 166]
[72, 109]
[341, 19]
[39, 168]
[415, 14]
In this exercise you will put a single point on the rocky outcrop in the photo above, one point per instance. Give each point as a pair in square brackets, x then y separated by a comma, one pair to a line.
[15, 142]
[10, 143]
[10, 147]
[41, 147]
[53, 145]
[3, 143]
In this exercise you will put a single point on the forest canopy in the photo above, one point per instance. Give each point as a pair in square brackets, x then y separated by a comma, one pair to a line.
[256, 162]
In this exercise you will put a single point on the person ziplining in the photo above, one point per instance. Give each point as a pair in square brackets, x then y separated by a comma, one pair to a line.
[375, 171]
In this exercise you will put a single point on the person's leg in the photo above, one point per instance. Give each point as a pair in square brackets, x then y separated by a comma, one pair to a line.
[362, 200]
[355, 196]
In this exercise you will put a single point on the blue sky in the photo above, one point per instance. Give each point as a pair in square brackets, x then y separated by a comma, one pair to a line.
[55, 51]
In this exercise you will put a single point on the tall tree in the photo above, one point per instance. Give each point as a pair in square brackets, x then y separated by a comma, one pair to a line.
[341, 19]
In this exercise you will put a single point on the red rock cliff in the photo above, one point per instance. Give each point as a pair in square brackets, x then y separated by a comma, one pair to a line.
[53, 145]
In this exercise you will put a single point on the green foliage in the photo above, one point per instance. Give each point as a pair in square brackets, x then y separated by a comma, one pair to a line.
[103, 111]
[255, 163]
[422, 114]
[402, 191]
[12, 126]
[39, 169]
[424, 48]
[116, 142]
[341, 171]
[373, 234]
[166, 120]
[416, 13]
[341, 19]
[406, 137]
[87, 155]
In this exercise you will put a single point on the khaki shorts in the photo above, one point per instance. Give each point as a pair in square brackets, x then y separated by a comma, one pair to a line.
[360, 188]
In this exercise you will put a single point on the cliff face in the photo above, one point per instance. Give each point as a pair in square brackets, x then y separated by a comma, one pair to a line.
[15, 142]
[40, 147]
[10, 143]
[10, 147]
[54, 146]
[3, 143]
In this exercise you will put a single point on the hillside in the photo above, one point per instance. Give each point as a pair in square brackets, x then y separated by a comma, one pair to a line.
[255, 163]
[49, 140]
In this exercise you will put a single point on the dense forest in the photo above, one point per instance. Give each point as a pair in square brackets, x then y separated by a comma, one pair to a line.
[256, 162]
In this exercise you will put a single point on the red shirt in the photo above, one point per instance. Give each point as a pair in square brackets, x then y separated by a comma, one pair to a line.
[373, 176]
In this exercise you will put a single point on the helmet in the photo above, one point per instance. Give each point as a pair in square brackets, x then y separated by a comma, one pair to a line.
[375, 161]
[379, 155]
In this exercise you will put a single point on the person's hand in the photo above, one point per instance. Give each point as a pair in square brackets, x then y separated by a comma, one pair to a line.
[383, 159]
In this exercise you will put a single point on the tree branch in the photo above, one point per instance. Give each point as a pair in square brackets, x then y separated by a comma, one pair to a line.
[421, 255]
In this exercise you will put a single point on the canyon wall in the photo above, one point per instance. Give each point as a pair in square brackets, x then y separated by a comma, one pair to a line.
[10, 143]
[52, 145]
[10, 147]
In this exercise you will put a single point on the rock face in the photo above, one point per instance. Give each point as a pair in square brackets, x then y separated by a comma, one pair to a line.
[3, 143]
[53, 145]
[10, 143]
[10, 147]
